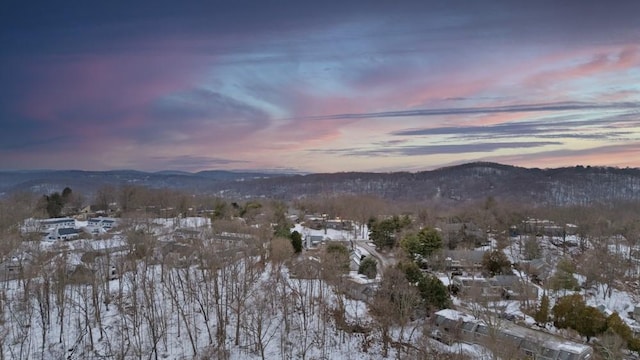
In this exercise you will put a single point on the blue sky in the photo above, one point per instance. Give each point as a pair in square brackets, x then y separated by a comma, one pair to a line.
[321, 87]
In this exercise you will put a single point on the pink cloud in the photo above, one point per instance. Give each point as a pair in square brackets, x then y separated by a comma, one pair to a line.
[599, 63]
[301, 132]
[125, 82]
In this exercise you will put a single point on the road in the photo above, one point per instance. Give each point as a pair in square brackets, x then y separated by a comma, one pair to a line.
[382, 260]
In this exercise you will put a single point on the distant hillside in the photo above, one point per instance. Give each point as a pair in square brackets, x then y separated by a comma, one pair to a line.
[474, 181]
[47, 181]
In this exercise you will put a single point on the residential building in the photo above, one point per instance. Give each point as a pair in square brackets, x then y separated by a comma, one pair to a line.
[38, 225]
[454, 326]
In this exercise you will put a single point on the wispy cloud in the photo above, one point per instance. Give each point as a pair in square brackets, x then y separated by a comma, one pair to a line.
[421, 150]
[257, 84]
[545, 107]
[192, 162]
[570, 126]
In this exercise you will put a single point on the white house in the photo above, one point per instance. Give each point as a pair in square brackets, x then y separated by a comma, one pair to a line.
[35, 225]
[101, 224]
[58, 223]
[61, 234]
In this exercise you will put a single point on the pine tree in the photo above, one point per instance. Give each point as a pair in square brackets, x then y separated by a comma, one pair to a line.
[296, 241]
[542, 314]
[434, 292]
[368, 267]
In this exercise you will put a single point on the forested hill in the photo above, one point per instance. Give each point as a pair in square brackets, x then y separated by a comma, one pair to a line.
[474, 181]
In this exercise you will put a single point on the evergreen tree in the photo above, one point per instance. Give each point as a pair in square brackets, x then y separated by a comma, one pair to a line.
[566, 311]
[411, 271]
[384, 233]
[591, 322]
[282, 226]
[572, 312]
[431, 241]
[66, 194]
[617, 325]
[424, 243]
[542, 314]
[368, 267]
[296, 241]
[563, 278]
[54, 204]
[434, 292]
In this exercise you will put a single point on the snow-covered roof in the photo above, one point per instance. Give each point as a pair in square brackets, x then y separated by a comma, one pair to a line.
[455, 315]
[56, 221]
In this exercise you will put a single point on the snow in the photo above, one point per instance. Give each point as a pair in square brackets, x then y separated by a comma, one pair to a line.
[361, 279]
[329, 234]
[188, 222]
[572, 347]
[178, 302]
[454, 314]
[360, 251]
[474, 351]
[173, 308]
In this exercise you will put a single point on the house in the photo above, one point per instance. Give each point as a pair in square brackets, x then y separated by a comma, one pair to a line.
[58, 223]
[104, 223]
[513, 288]
[497, 287]
[467, 260]
[60, 234]
[342, 225]
[64, 234]
[38, 225]
[313, 240]
[85, 213]
[544, 227]
[476, 286]
[537, 269]
[454, 326]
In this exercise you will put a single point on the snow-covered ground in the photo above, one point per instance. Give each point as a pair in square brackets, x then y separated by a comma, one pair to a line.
[244, 308]
[621, 301]
[178, 313]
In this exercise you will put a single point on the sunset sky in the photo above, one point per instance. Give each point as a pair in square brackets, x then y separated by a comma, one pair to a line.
[319, 86]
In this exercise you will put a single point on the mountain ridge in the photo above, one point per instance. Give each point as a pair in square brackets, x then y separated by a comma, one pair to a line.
[578, 185]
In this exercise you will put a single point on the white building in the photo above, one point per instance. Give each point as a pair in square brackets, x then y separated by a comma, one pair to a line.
[61, 234]
[37, 225]
[100, 224]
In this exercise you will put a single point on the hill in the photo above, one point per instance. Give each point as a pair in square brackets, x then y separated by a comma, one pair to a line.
[468, 182]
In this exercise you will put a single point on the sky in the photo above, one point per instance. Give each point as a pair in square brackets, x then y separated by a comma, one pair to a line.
[324, 86]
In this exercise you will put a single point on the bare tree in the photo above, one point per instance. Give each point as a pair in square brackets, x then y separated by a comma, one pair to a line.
[394, 303]
[260, 322]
